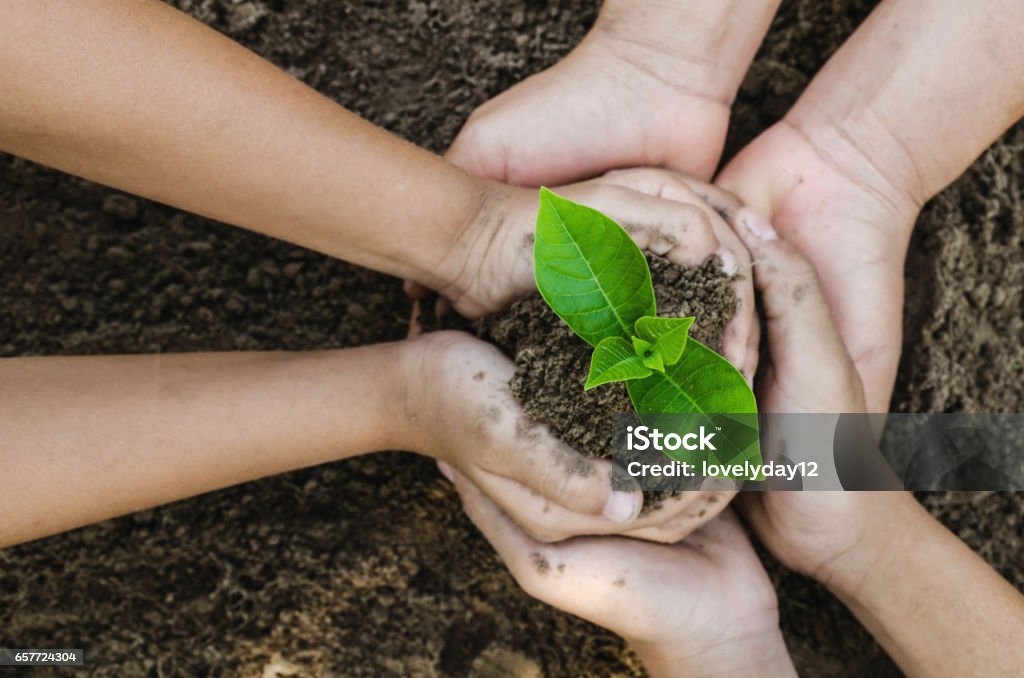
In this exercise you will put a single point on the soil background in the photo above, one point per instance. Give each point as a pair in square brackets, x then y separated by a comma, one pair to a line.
[368, 567]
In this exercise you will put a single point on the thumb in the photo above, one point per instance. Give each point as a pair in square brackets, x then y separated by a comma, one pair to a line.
[801, 329]
[543, 463]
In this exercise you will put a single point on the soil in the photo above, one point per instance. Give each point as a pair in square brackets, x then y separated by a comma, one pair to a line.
[368, 567]
[552, 362]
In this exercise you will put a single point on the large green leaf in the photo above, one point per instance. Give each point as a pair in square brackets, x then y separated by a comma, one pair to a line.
[696, 391]
[589, 271]
[614, 360]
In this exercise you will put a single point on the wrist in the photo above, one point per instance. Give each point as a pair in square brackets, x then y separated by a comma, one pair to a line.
[362, 397]
[760, 653]
[712, 42]
[490, 262]
[857, 145]
[889, 520]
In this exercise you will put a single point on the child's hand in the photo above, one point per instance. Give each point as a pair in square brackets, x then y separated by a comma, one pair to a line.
[491, 262]
[700, 607]
[458, 408]
[809, 370]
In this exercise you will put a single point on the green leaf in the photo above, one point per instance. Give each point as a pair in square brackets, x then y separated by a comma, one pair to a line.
[589, 271]
[614, 360]
[706, 384]
[648, 354]
[667, 334]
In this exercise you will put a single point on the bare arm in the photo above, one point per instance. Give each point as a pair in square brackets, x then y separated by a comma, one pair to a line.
[85, 439]
[934, 605]
[136, 95]
[919, 91]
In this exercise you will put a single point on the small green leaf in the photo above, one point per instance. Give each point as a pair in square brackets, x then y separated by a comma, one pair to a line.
[649, 354]
[654, 361]
[589, 271]
[614, 360]
[667, 334]
[641, 347]
[702, 383]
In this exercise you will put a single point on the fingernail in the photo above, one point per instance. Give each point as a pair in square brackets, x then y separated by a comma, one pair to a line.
[621, 507]
[729, 264]
[759, 225]
[446, 470]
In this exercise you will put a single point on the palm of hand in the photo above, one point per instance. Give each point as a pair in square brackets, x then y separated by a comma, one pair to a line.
[853, 230]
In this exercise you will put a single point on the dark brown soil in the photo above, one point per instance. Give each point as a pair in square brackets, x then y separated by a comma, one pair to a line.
[368, 567]
[552, 362]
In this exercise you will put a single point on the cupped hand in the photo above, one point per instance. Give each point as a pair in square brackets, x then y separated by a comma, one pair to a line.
[703, 606]
[613, 102]
[807, 370]
[854, 227]
[459, 409]
[490, 264]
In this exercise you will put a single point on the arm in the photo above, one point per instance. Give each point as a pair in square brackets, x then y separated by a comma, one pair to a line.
[932, 603]
[919, 91]
[86, 439]
[137, 95]
[896, 114]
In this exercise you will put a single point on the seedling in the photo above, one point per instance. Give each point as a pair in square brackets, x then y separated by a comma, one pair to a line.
[596, 279]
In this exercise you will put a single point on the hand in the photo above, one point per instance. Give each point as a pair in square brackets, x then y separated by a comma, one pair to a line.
[808, 370]
[700, 607]
[459, 409]
[491, 262]
[615, 101]
[854, 227]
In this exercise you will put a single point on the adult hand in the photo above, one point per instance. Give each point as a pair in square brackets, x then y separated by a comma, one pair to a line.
[650, 85]
[703, 606]
[807, 370]
[852, 225]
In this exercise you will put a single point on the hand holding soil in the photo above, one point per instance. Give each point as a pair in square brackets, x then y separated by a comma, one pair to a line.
[703, 606]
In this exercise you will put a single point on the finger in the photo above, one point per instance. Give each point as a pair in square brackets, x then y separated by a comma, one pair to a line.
[586, 576]
[414, 290]
[507, 538]
[700, 508]
[548, 522]
[697, 219]
[750, 506]
[527, 452]
[800, 325]
[722, 201]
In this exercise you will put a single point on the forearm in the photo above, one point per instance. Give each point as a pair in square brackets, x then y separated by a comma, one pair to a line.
[918, 92]
[136, 95]
[763, 654]
[85, 439]
[934, 605]
[714, 41]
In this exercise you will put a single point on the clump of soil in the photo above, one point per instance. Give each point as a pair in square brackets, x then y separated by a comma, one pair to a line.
[552, 362]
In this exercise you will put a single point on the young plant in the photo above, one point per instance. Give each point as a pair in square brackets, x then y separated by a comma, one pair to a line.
[596, 279]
